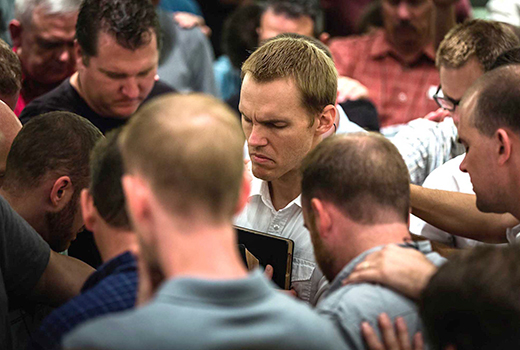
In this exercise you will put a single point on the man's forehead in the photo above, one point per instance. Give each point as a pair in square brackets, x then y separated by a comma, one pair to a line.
[43, 20]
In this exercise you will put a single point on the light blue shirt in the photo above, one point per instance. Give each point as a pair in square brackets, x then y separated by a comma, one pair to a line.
[348, 306]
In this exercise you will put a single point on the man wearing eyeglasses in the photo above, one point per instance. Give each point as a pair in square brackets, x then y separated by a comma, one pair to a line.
[466, 52]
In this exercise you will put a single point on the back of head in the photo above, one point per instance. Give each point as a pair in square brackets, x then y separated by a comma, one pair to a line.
[130, 22]
[295, 9]
[511, 56]
[106, 170]
[189, 148]
[10, 72]
[485, 40]
[55, 143]
[497, 96]
[9, 127]
[240, 37]
[301, 60]
[362, 174]
[473, 302]
[23, 9]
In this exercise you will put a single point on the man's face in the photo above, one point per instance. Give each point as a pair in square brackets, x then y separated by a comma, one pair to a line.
[276, 127]
[117, 80]
[407, 23]
[64, 226]
[480, 162]
[46, 47]
[272, 24]
[455, 81]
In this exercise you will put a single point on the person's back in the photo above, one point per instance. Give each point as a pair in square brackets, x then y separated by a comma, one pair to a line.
[190, 313]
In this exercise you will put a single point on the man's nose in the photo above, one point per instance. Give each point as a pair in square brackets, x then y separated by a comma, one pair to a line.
[256, 137]
[403, 11]
[130, 88]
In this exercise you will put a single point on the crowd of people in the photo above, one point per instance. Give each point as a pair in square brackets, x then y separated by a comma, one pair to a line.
[380, 137]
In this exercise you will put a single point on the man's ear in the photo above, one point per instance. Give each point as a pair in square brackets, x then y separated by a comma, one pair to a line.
[326, 119]
[245, 189]
[137, 195]
[322, 217]
[15, 29]
[81, 60]
[88, 210]
[504, 145]
[61, 193]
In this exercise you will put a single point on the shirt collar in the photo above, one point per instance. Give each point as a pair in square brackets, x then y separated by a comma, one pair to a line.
[422, 246]
[261, 188]
[382, 48]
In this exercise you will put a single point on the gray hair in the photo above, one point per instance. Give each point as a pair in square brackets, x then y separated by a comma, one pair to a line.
[23, 9]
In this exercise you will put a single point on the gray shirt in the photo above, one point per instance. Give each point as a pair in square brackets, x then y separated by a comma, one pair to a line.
[6, 15]
[348, 306]
[190, 313]
[186, 59]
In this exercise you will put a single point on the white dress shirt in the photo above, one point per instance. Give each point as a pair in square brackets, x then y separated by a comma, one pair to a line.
[260, 215]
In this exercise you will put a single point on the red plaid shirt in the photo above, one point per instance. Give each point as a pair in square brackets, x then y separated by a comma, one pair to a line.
[401, 91]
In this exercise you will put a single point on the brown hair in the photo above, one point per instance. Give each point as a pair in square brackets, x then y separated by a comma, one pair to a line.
[10, 71]
[360, 173]
[485, 40]
[190, 149]
[301, 60]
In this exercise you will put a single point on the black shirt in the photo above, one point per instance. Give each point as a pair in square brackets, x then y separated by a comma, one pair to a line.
[66, 98]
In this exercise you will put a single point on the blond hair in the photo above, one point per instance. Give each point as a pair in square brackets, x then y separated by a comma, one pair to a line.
[190, 149]
[299, 59]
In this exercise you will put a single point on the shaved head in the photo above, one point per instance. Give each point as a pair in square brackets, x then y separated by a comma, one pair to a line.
[9, 128]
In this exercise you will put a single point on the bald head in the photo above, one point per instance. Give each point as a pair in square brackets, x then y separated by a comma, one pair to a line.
[9, 128]
[494, 100]
[189, 149]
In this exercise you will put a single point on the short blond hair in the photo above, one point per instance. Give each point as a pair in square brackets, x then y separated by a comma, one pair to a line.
[485, 40]
[190, 150]
[301, 60]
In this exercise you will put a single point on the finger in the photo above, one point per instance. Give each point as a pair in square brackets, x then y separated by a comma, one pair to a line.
[370, 337]
[402, 334]
[387, 332]
[418, 341]
[268, 272]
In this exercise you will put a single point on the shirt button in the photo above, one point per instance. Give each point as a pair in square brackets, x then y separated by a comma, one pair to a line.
[402, 97]
[276, 227]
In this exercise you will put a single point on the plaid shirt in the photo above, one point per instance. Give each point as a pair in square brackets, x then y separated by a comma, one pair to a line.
[110, 289]
[401, 91]
[426, 145]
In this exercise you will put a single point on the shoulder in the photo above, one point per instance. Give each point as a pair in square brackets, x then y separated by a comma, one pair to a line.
[349, 42]
[62, 98]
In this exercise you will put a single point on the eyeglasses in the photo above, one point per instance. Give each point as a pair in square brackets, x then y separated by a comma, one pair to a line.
[445, 102]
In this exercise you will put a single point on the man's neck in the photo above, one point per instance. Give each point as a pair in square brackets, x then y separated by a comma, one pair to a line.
[120, 241]
[285, 189]
[365, 238]
[203, 251]
[26, 210]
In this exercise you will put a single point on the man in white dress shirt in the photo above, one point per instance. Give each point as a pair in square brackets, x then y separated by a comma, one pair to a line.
[287, 104]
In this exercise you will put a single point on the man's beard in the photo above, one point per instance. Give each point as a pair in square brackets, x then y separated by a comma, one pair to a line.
[59, 225]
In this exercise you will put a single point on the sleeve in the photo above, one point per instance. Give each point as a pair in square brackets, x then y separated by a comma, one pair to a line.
[31, 110]
[201, 59]
[507, 11]
[24, 255]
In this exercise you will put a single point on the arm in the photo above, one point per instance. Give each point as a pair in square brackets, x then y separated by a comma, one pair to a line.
[445, 19]
[61, 280]
[457, 214]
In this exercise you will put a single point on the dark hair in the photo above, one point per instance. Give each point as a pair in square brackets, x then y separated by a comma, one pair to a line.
[473, 301]
[497, 95]
[130, 22]
[240, 38]
[58, 142]
[511, 56]
[106, 169]
[360, 173]
[299, 8]
[10, 71]
[485, 40]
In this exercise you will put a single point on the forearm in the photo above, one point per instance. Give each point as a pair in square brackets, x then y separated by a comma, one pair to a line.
[62, 279]
[457, 214]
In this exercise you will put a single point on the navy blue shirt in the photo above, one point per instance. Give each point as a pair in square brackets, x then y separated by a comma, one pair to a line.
[110, 289]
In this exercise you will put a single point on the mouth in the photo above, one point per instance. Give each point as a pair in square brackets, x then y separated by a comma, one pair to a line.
[259, 158]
